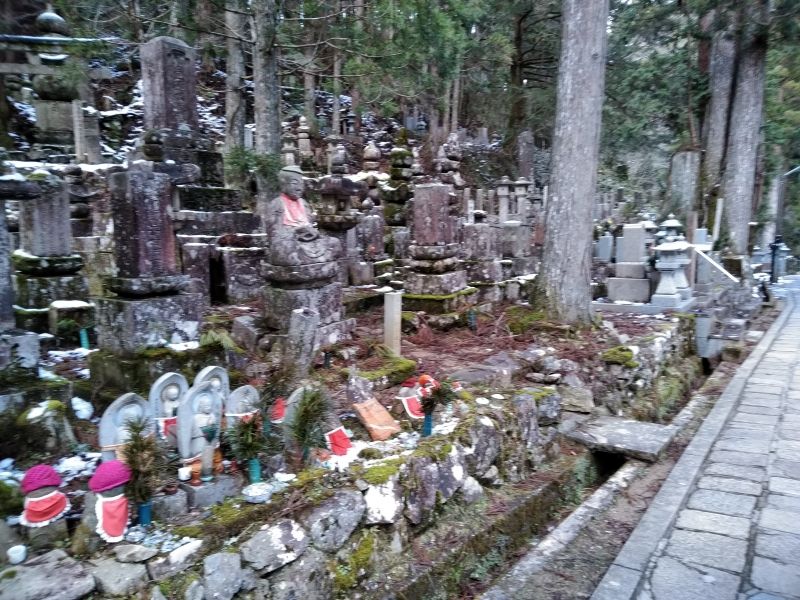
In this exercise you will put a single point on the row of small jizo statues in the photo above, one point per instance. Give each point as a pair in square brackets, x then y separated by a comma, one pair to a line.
[186, 418]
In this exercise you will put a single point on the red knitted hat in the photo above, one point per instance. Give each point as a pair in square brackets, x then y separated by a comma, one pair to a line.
[38, 477]
[109, 475]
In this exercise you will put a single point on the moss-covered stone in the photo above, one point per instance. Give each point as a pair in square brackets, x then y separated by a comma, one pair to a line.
[436, 447]
[380, 474]
[347, 572]
[620, 355]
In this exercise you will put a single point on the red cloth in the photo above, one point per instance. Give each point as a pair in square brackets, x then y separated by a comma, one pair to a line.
[413, 407]
[41, 511]
[109, 475]
[112, 517]
[168, 425]
[294, 213]
[38, 477]
[338, 441]
[278, 411]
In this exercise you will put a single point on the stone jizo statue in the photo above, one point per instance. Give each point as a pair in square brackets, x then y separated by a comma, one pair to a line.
[113, 433]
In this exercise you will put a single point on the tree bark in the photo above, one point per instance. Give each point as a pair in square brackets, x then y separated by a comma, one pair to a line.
[267, 91]
[336, 117]
[447, 106]
[774, 195]
[235, 104]
[206, 40]
[456, 106]
[723, 55]
[745, 126]
[563, 286]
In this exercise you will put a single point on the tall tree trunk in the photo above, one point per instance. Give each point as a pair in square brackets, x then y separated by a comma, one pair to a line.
[267, 91]
[516, 115]
[723, 57]
[562, 287]
[456, 106]
[774, 196]
[175, 30]
[206, 40]
[135, 20]
[355, 91]
[745, 125]
[336, 117]
[447, 106]
[235, 104]
[309, 83]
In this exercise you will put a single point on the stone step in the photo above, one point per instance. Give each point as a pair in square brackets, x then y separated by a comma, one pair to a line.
[634, 439]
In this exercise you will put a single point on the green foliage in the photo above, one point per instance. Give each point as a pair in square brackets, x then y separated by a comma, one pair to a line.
[522, 318]
[246, 438]
[221, 337]
[21, 439]
[144, 458]
[11, 500]
[241, 164]
[620, 355]
[346, 573]
[441, 395]
[306, 430]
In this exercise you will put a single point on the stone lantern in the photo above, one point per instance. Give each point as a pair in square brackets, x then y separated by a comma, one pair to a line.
[503, 190]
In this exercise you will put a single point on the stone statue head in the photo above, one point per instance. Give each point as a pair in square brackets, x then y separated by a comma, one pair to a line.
[204, 404]
[129, 412]
[291, 182]
[171, 392]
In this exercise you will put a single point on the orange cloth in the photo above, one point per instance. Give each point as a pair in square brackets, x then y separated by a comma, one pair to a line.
[112, 517]
[294, 212]
[39, 512]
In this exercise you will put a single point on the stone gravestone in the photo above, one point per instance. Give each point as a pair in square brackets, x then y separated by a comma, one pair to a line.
[525, 155]
[631, 283]
[481, 258]
[149, 308]
[604, 248]
[437, 282]
[168, 84]
[17, 348]
[47, 269]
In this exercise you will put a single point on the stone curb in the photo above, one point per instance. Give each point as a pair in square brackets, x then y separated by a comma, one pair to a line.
[624, 577]
[538, 558]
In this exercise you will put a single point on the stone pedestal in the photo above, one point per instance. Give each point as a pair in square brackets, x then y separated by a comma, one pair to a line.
[128, 325]
[280, 302]
[46, 537]
[208, 494]
[169, 506]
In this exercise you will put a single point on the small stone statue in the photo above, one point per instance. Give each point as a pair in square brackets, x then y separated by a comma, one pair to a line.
[218, 377]
[164, 399]
[199, 417]
[113, 433]
[43, 502]
[294, 239]
[111, 507]
[242, 403]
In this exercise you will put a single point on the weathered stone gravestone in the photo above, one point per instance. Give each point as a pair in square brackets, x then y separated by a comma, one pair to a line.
[437, 283]
[149, 309]
[630, 283]
[604, 247]
[168, 84]
[47, 269]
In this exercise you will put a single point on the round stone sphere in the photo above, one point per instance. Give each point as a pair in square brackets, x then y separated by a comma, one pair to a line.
[52, 87]
[50, 22]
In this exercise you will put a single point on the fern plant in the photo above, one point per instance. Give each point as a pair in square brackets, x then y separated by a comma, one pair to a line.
[306, 428]
[246, 438]
[144, 459]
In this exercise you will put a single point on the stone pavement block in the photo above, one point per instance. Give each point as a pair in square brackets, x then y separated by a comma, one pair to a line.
[746, 417]
[738, 458]
[618, 583]
[787, 449]
[624, 436]
[748, 431]
[790, 503]
[777, 544]
[784, 485]
[760, 400]
[758, 410]
[773, 576]
[724, 484]
[708, 549]
[786, 468]
[671, 575]
[737, 527]
[791, 420]
[725, 503]
[789, 432]
[757, 474]
[781, 520]
[744, 445]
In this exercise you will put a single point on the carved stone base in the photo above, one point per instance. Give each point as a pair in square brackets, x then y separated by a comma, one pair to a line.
[279, 303]
[127, 325]
[213, 492]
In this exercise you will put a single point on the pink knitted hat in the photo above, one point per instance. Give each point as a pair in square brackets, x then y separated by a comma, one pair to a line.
[109, 475]
[38, 477]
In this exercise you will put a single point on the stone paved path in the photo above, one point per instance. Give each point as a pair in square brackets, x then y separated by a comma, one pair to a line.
[726, 523]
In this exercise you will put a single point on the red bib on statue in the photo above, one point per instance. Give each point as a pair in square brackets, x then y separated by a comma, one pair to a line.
[39, 512]
[112, 517]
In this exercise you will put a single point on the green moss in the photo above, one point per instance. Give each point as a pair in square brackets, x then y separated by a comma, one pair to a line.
[347, 573]
[396, 369]
[370, 454]
[56, 407]
[193, 531]
[11, 500]
[436, 447]
[620, 355]
[8, 574]
[521, 318]
[380, 474]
